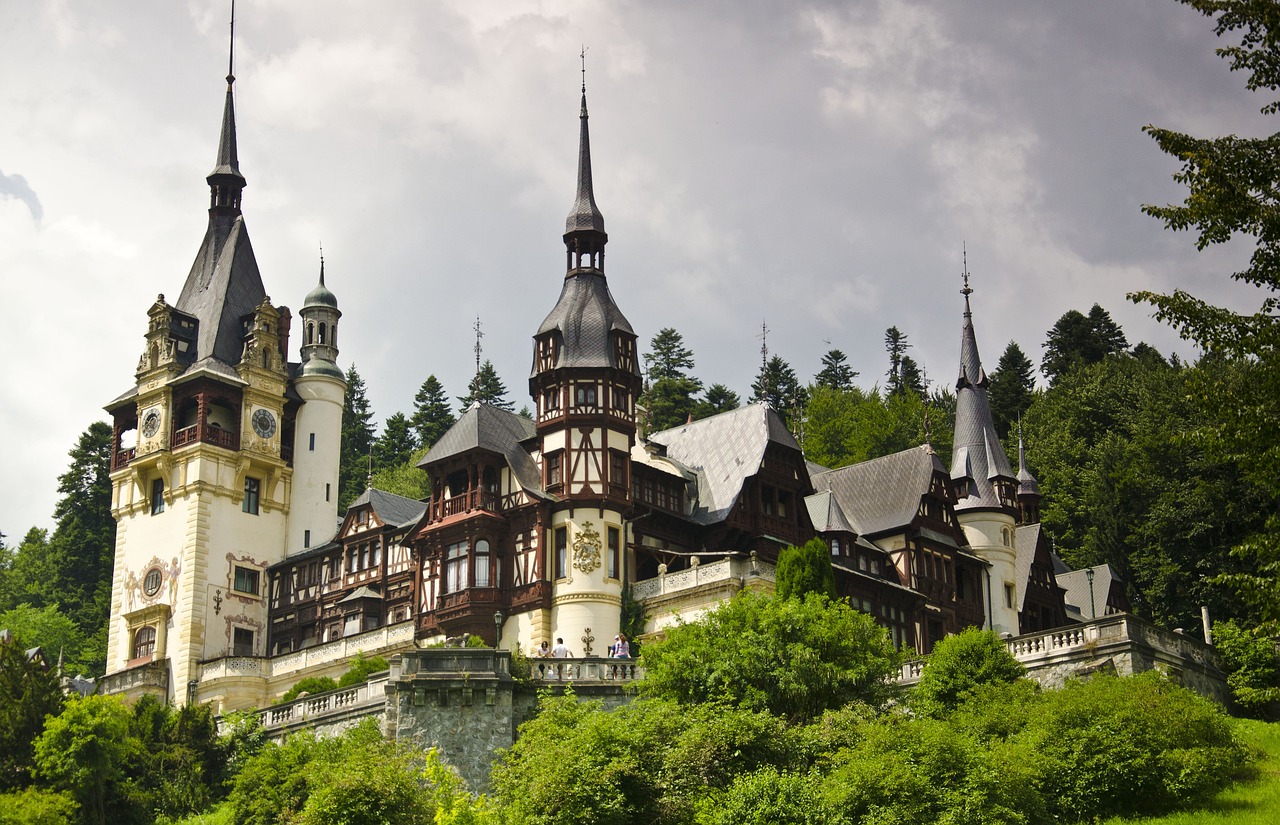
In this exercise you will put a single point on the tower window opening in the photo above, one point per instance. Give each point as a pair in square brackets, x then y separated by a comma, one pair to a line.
[562, 552]
[311, 333]
[585, 395]
[144, 642]
[455, 567]
[327, 488]
[615, 552]
[311, 443]
[322, 332]
[306, 538]
[157, 496]
[251, 493]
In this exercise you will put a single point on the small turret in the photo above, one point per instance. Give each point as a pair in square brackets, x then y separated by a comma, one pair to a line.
[320, 316]
[1028, 487]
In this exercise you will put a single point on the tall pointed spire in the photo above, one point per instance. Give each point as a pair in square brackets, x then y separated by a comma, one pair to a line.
[978, 460]
[584, 233]
[225, 181]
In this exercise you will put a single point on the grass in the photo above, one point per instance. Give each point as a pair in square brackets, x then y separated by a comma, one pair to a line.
[1252, 801]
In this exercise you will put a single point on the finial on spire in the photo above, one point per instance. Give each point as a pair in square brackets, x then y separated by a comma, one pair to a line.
[764, 344]
[231, 50]
[583, 55]
[321, 263]
[479, 349]
[966, 290]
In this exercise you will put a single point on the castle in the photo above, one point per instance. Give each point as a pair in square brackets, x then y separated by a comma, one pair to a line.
[235, 577]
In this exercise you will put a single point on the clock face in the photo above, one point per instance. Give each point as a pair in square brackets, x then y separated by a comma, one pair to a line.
[264, 423]
[151, 423]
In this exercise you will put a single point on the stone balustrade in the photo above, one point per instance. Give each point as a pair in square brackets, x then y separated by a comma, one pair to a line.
[551, 671]
[372, 642]
[150, 677]
[697, 575]
[369, 697]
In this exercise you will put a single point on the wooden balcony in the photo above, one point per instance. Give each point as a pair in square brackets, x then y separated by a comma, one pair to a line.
[123, 457]
[470, 501]
[208, 434]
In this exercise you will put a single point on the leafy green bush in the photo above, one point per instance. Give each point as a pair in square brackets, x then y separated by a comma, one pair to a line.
[958, 665]
[361, 669]
[766, 797]
[309, 685]
[790, 657]
[35, 806]
[805, 569]
[1252, 664]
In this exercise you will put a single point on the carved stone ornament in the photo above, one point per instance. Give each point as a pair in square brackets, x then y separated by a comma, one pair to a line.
[586, 549]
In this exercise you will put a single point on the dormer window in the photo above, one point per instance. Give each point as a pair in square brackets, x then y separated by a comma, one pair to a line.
[548, 352]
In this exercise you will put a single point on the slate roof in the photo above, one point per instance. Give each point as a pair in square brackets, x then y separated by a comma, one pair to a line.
[486, 427]
[1025, 540]
[391, 508]
[585, 215]
[1027, 484]
[585, 316]
[724, 450]
[223, 286]
[361, 592]
[826, 515]
[1076, 583]
[977, 453]
[884, 493]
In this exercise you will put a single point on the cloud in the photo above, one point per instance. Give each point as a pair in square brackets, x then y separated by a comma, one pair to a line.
[16, 186]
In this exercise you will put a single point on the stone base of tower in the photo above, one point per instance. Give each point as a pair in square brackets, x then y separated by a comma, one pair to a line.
[586, 622]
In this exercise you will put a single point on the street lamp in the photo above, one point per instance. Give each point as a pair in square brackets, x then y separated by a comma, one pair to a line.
[1093, 610]
[497, 628]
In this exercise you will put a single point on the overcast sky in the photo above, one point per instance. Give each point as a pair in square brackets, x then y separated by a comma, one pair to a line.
[813, 166]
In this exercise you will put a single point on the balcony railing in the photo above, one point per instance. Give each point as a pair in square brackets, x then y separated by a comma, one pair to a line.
[699, 574]
[207, 433]
[123, 457]
[585, 670]
[370, 694]
[466, 502]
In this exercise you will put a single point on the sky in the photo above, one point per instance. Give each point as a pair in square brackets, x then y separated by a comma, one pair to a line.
[813, 167]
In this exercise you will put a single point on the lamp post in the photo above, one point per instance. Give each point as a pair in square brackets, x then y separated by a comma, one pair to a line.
[192, 687]
[497, 629]
[1093, 610]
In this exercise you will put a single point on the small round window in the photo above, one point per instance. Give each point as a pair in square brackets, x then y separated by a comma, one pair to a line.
[151, 582]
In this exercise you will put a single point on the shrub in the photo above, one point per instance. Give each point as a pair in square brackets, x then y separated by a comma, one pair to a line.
[805, 569]
[958, 665]
[766, 797]
[309, 685]
[35, 806]
[1252, 665]
[361, 669]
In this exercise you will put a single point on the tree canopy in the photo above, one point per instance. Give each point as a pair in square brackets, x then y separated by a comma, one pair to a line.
[432, 416]
[1077, 340]
[487, 388]
[805, 569]
[1012, 388]
[357, 440]
[671, 394]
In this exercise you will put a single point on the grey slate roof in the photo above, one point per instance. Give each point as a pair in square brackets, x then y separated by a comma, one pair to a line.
[1076, 583]
[362, 592]
[724, 450]
[586, 315]
[1025, 540]
[222, 287]
[391, 508]
[884, 493]
[486, 427]
[977, 453]
[585, 215]
[1027, 484]
[826, 515]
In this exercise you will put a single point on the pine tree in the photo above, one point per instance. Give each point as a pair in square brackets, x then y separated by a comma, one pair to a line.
[895, 342]
[910, 377]
[671, 396]
[717, 399]
[432, 416]
[1077, 340]
[487, 388]
[82, 547]
[357, 440]
[777, 385]
[1012, 388]
[396, 444]
[836, 373]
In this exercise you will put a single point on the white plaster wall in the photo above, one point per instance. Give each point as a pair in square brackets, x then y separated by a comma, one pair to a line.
[983, 531]
[321, 413]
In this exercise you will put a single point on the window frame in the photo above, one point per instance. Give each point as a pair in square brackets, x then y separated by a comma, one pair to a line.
[250, 574]
[252, 496]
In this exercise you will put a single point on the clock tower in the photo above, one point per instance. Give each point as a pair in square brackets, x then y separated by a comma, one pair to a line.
[584, 382]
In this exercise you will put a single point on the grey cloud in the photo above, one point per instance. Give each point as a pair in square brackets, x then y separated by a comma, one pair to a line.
[16, 186]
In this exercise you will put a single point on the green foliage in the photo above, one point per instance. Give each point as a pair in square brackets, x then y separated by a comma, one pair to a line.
[35, 806]
[793, 658]
[28, 693]
[1077, 340]
[83, 751]
[851, 426]
[361, 669]
[1012, 388]
[836, 374]
[487, 388]
[717, 399]
[958, 665]
[357, 440]
[805, 569]
[777, 385]
[27, 571]
[405, 479]
[1252, 665]
[309, 685]
[671, 394]
[432, 416]
[55, 632]
[1126, 483]
[396, 444]
[766, 797]
[668, 356]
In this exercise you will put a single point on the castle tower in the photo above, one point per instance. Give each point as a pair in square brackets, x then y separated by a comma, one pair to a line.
[584, 384]
[320, 383]
[986, 488]
[203, 464]
[1028, 488]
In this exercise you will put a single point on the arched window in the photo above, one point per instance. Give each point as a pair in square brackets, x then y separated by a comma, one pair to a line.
[144, 642]
[311, 333]
[322, 331]
[482, 563]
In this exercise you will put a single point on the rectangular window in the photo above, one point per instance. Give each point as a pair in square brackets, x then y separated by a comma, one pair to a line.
[585, 395]
[615, 551]
[482, 563]
[553, 470]
[250, 504]
[312, 443]
[157, 496]
[241, 641]
[326, 491]
[618, 469]
[562, 552]
[306, 538]
[1008, 595]
[551, 400]
[246, 580]
[455, 567]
